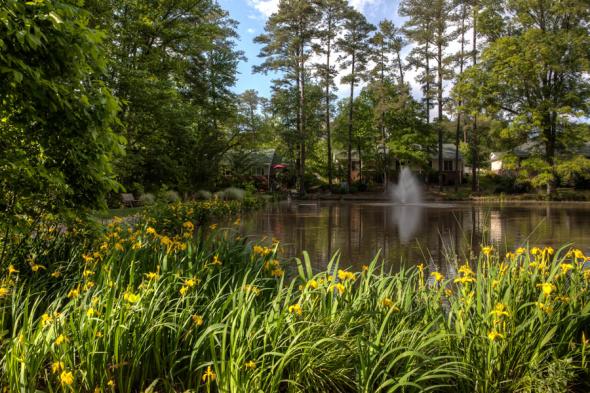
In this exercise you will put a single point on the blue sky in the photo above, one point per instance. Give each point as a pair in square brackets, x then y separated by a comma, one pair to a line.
[252, 15]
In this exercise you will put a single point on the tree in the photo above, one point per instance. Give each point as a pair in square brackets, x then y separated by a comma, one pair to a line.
[287, 48]
[387, 45]
[248, 103]
[332, 15]
[172, 64]
[419, 29]
[462, 19]
[474, 129]
[57, 114]
[535, 75]
[354, 45]
[442, 36]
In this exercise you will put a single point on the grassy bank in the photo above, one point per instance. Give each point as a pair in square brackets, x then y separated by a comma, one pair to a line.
[169, 309]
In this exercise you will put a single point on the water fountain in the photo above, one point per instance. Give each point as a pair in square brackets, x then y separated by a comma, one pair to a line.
[407, 190]
[407, 210]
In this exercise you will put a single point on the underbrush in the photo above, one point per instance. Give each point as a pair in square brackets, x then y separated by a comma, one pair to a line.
[154, 309]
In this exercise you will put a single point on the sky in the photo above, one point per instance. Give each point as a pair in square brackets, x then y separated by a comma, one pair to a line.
[252, 15]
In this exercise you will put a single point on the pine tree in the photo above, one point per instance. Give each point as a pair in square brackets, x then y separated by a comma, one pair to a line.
[287, 48]
[461, 18]
[419, 29]
[442, 35]
[387, 44]
[354, 45]
[332, 16]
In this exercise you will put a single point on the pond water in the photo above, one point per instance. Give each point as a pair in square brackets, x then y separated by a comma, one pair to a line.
[409, 234]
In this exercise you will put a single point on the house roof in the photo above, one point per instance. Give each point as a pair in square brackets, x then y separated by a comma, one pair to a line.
[448, 152]
[529, 148]
[342, 155]
[264, 156]
[538, 148]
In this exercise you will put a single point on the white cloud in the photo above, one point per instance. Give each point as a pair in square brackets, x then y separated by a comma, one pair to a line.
[251, 30]
[265, 7]
[361, 4]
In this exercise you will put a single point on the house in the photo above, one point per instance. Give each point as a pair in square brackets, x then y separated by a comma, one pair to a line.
[526, 150]
[340, 159]
[450, 171]
[263, 162]
[259, 163]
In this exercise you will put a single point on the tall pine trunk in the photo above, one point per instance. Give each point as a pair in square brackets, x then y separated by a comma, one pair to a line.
[302, 125]
[458, 131]
[382, 123]
[401, 68]
[328, 80]
[474, 141]
[427, 84]
[440, 114]
[350, 117]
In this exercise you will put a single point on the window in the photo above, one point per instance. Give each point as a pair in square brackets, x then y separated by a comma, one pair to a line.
[448, 165]
[260, 171]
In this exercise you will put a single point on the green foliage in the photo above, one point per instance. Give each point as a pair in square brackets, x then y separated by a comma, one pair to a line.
[170, 217]
[574, 171]
[56, 114]
[184, 311]
[532, 75]
[172, 63]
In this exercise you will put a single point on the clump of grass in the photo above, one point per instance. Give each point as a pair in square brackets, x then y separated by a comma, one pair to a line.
[170, 196]
[203, 195]
[233, 194]
[147, 199]
[149, 308]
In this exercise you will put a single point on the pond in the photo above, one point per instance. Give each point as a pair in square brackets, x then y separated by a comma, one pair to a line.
[410, 234]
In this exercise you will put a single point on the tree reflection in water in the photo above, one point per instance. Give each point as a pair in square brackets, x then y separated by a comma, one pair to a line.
[412, 234]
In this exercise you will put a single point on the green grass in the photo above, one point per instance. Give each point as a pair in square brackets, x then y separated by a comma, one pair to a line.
[145, 311]
[120, 212]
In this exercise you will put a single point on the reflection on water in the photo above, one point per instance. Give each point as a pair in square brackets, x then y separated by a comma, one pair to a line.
[407, 218]
[412, 233]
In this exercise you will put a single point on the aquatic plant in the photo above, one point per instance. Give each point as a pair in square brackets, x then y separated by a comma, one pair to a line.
[144, 308]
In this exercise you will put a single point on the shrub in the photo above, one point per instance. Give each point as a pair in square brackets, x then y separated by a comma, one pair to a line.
[170, 196]
[167, 218]
[147, 199]
[203, 195]
[233, 194]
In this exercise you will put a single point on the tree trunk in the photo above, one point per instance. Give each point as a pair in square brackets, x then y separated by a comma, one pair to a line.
[401, 69]
[350, 116]
[474, 141]
[440, 115]
[298, 121]
[328, 80]
[549, 134]
[427, 84]
[458, 172]
[382, 122]
[302, 124]
[360, 163]
[457, 136]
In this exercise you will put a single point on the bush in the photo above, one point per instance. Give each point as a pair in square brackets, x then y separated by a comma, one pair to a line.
[233, 194]
[170, 196]
[167, 218]
[147, 199]
[203, 195]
